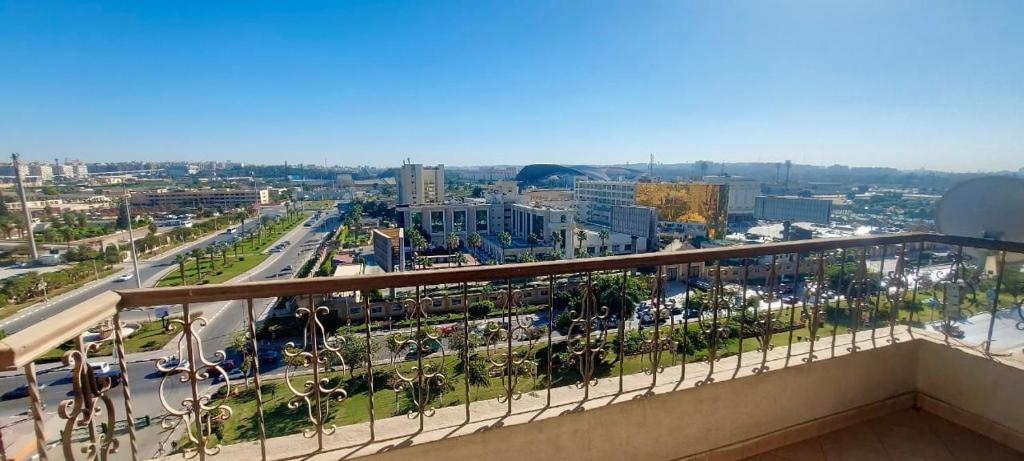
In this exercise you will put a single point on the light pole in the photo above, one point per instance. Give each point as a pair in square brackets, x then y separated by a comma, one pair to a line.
[24, 206]
[131, 237]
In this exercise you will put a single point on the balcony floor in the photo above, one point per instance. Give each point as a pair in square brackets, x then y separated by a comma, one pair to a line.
[905, 435]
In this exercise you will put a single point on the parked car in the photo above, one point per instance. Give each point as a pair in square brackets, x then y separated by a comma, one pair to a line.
[20, 392]
[234, 375]
[268, 356]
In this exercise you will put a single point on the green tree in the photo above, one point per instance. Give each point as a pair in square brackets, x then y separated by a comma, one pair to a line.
[504, 239]
[603, 235]
[354, 351]
[198, 255]
[581, 236]
[556, 240]
[418, 243]
[122, 217]
[480, 309]
[474, 240]
[476, 373]
[181, 259]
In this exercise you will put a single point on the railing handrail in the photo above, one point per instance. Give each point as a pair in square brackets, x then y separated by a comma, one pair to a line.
[145, 297]
[26, 345]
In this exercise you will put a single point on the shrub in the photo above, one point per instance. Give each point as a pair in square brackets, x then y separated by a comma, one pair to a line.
[480, 309]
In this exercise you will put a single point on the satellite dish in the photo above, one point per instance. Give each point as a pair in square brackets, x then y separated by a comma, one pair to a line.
[989, 207]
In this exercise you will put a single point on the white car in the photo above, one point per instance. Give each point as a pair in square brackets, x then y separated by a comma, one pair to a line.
[125, 277]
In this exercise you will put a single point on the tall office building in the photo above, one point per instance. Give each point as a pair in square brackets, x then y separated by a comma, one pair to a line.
[418, 184]
[742, 194]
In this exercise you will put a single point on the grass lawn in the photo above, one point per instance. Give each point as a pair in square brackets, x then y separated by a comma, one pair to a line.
[12, 309]
[319, 204]
[217, 271]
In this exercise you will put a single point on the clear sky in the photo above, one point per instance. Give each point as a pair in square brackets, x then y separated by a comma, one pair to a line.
[910, 84]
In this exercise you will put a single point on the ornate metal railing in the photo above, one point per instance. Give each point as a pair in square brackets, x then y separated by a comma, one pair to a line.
[604, 316]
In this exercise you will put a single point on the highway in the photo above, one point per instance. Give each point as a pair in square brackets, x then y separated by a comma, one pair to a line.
[145, 381]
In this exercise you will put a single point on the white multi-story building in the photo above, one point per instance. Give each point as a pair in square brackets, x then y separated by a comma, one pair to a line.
[63, 170]
[418, 184]
[793, 209]
[743, 193]
[595, 199]
[80, 170]
[42, 170]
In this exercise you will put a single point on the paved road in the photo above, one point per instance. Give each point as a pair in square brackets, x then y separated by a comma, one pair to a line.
[147, 270]
[224, 317]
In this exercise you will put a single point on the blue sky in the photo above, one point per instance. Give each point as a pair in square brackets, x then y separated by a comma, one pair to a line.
[929, 84]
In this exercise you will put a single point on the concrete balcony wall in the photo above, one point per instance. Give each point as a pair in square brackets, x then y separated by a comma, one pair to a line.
[752, 414]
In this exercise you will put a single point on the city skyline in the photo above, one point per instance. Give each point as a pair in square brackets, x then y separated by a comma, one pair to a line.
[910, 86]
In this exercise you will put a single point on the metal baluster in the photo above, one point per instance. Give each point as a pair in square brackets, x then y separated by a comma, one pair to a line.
[466, 346]
[716, 293]
[767, 325]
[792, 307]
[686, 323]
[36, 405]
[743, 316]
[551, 326]
[878, 296]
[896, 297]
[369, 364]
[421, 395]
[510, 362]
[917, 283]
[818, 293]
[946, 321]
[659, 304]
[840, 292]
[622, 328]
[122, 363]
[193, 379]
[995, 301]
[260, 421]
[857, 303]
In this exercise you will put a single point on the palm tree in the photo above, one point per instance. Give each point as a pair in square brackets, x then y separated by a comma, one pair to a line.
[418, 244]
[453, 243]
[603, 235]
[505, 239]
[474, 240]
[241, 216]
[556, 239]
[223, 249]
[235, 245]
[198, 255]
[181, 259]
[581, 236]
[68, 234]
[211, 251]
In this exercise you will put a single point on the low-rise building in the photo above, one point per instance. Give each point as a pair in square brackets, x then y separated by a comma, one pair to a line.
[206, 198]
[785, 208]
[388, 248]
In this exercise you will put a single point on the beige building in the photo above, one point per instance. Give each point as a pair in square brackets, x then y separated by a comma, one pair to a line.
[42, 170]
[418, 184]
[207, 198]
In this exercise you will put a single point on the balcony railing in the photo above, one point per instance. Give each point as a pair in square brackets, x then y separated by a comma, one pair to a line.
[697, 308]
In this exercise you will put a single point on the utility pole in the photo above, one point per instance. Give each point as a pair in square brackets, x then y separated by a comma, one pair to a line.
[24, 206]
[131, 237]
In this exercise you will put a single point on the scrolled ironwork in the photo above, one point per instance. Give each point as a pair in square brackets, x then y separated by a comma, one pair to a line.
[586, 345]
[89, 401]
[656, 343]
[199, 412]
[319, 351]
[858, 298]
[424, 377]
[511, 362]
[714, 332]
[895, 288]
[765, 324]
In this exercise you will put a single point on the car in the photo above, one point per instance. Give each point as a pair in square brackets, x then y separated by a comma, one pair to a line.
[287, 268]
[20, 392]
[125, 277]
[791, 300]
[173, 362]
[234, 374]
[100, 367]
[230, 231]
[268, 356]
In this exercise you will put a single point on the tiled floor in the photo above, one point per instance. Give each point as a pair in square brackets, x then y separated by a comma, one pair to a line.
[907, 435]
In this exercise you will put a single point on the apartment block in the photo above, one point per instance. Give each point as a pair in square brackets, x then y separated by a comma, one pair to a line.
[419, 184]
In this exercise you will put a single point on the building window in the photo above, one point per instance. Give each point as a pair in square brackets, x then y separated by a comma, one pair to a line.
[481, 220]
[436, 222]
[417, 220]
[355, 310]
[459, 221]
[456, 301]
